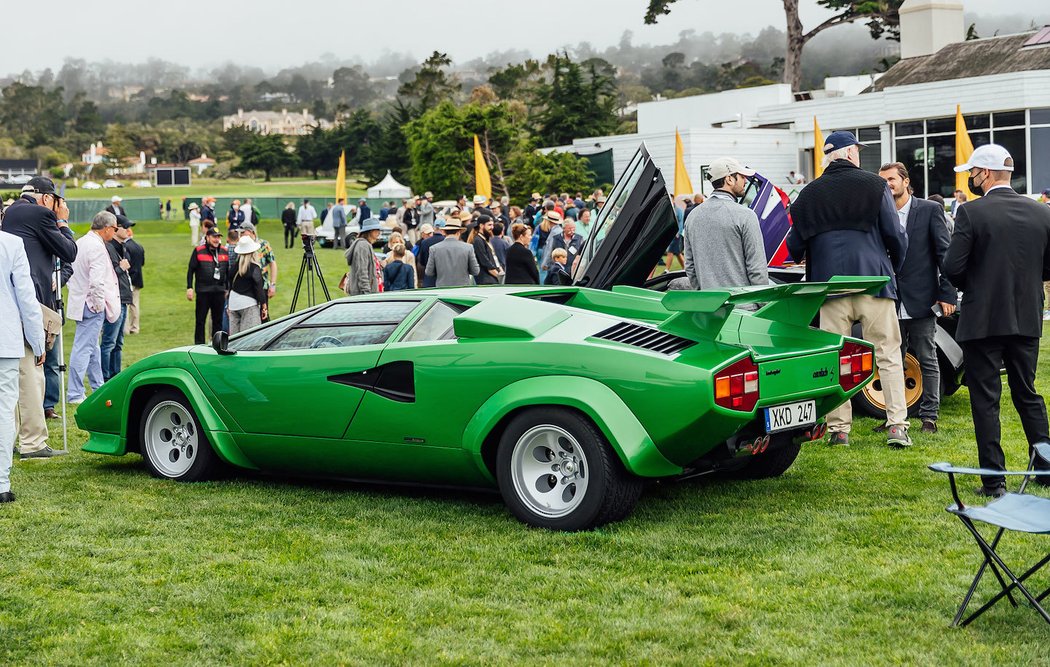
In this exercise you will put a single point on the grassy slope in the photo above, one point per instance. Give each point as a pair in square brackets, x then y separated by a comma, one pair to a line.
[849, 558]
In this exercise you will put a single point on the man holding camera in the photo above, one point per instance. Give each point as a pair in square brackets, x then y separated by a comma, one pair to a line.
[40, 218]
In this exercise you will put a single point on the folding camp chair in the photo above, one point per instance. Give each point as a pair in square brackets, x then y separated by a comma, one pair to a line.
[1014, 511]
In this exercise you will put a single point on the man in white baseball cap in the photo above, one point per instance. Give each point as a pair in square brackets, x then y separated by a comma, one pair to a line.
[723, 241]
[115, 206]
[999, 254]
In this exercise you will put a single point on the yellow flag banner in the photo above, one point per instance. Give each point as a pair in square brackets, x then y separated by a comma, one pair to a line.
[818, 150]
[682, 184]
[340, 178]
[963, 151]
[482, 182]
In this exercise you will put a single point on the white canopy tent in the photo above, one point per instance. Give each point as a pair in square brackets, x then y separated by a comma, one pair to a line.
[389, 188]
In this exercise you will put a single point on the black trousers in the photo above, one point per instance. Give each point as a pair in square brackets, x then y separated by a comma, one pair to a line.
[289, 236]
[984, 358]
[208, 302]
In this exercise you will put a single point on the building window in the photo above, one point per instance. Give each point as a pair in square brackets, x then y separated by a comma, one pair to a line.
[927, 147]
[1040, 158]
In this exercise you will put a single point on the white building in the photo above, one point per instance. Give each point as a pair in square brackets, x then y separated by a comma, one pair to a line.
[907, 114]
[274, 122]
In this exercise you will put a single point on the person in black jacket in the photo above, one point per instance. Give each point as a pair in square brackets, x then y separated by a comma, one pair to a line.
[40, 218]
[920, 287]
[490, 268]
[521, 263]
[112, 344]
[998, 257]
[137, 256]
[288, 219]
[397, 275]
[208, 268]
[845, 224]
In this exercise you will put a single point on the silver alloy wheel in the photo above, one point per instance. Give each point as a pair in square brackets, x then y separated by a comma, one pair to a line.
[549, 470]
[171, 439]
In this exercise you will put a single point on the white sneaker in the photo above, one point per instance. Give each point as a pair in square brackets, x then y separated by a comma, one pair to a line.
[75, 401]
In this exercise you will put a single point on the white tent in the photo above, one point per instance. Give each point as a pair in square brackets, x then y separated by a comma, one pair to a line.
[389, 188]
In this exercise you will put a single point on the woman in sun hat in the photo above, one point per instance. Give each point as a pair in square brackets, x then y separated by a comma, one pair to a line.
[247, 293]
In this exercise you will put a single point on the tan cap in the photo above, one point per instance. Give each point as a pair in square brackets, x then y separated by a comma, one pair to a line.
[480, 200]
[724, 166]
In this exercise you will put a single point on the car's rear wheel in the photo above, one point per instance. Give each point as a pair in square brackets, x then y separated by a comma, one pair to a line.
[773, 462]
[173, 444]
[872, 402]
[556, 470]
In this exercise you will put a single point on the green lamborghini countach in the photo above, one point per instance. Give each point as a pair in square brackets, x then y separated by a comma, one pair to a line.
[565, 398]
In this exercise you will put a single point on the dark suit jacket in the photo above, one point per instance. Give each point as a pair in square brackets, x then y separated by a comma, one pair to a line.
[137, 257]
[44, 241]
[114, 210]
[919, 283]
[999, 257]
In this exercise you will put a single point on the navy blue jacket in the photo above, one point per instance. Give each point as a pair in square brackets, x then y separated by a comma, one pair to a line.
[879, 251]
[44, 240]
[919, 282]
[398, 276]
[423, 256]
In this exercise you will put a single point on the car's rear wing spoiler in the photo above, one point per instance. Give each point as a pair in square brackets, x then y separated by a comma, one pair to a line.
[792, 303]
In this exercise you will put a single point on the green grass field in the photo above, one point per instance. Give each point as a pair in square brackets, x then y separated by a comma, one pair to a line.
[233, 187]
[848, 559]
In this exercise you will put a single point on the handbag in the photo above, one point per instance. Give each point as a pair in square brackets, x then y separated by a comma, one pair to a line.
[52, 325]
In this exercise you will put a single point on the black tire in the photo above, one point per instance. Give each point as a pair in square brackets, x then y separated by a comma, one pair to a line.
[774, 462]
[605, 492]
[869, 399]
[183, 459]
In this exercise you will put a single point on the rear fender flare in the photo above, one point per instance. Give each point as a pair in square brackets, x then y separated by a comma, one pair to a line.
[609, 413]
[182, 380]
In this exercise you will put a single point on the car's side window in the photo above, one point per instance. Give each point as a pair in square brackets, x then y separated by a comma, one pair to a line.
[313, 338]
[436, 324]
[260, 337]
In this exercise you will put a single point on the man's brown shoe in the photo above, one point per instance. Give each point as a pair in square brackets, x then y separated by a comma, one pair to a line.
[929, 426]
[49, 413]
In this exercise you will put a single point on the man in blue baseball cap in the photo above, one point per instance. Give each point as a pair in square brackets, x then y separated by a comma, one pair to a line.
[846, 224]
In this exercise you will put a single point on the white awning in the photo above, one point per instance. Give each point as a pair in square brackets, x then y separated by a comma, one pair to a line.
[389, 188]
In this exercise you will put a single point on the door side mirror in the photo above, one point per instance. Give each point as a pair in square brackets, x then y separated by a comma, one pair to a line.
[220, 342]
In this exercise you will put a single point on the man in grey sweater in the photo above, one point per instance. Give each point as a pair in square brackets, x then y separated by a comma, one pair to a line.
[452, 262]
[723, 241]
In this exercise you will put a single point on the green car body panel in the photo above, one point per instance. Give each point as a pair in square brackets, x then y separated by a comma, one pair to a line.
[311, 411]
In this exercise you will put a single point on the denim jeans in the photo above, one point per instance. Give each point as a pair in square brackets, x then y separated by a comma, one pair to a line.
[113, 344]
[85, 356]
[52, 380]
[918, 334]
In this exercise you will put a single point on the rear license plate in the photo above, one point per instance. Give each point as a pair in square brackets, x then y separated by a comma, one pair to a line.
[790, 415]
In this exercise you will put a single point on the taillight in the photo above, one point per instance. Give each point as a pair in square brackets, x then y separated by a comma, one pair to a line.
[855, 364]
[736, 386]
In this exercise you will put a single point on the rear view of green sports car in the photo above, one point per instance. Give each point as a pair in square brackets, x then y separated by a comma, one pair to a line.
[565, 398]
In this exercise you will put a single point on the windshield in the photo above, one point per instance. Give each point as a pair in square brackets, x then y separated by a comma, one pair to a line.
[607, 215]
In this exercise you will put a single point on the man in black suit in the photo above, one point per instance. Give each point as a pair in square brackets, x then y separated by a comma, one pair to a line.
[920, 287]
[998, 257]
[115, 206]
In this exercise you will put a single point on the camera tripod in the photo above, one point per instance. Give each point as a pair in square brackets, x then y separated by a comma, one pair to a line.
[309, 269]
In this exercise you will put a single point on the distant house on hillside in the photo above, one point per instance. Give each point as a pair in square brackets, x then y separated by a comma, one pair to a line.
[17, 172]
[274, 122]
[201, 163]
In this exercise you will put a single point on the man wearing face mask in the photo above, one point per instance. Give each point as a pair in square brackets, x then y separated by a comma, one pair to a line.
[846, 224]
[40, 218]
[999, 255]
[723, 242]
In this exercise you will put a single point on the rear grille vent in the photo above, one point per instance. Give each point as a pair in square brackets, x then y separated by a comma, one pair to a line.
[647, 337]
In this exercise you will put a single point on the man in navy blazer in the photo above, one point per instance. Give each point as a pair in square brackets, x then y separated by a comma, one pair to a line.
[920, 286]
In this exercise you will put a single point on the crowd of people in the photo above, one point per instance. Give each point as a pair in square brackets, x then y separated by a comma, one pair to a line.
[847, 222]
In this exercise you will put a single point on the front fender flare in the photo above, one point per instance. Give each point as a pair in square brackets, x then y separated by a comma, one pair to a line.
[610, 414]
[218, 433]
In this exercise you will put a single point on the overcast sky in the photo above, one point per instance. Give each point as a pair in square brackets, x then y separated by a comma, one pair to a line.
[278, 33]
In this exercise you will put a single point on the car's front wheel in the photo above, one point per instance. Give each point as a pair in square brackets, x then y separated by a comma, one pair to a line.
[556, 470]
[173, 444]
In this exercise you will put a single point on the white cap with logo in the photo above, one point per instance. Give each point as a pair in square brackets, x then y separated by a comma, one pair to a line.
[724, 166]
[989, 156]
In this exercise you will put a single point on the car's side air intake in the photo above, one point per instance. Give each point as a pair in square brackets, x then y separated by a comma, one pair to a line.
[647, 337]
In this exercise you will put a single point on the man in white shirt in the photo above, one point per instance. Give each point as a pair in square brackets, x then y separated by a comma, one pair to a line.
[306, 218]
[21, 327]
[94, 296]
[246, 208]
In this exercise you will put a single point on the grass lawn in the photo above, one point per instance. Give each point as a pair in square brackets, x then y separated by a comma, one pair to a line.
[848, 559]
[234, 187]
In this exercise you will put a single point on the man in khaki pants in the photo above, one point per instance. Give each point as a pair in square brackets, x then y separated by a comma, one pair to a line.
[845, 224]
